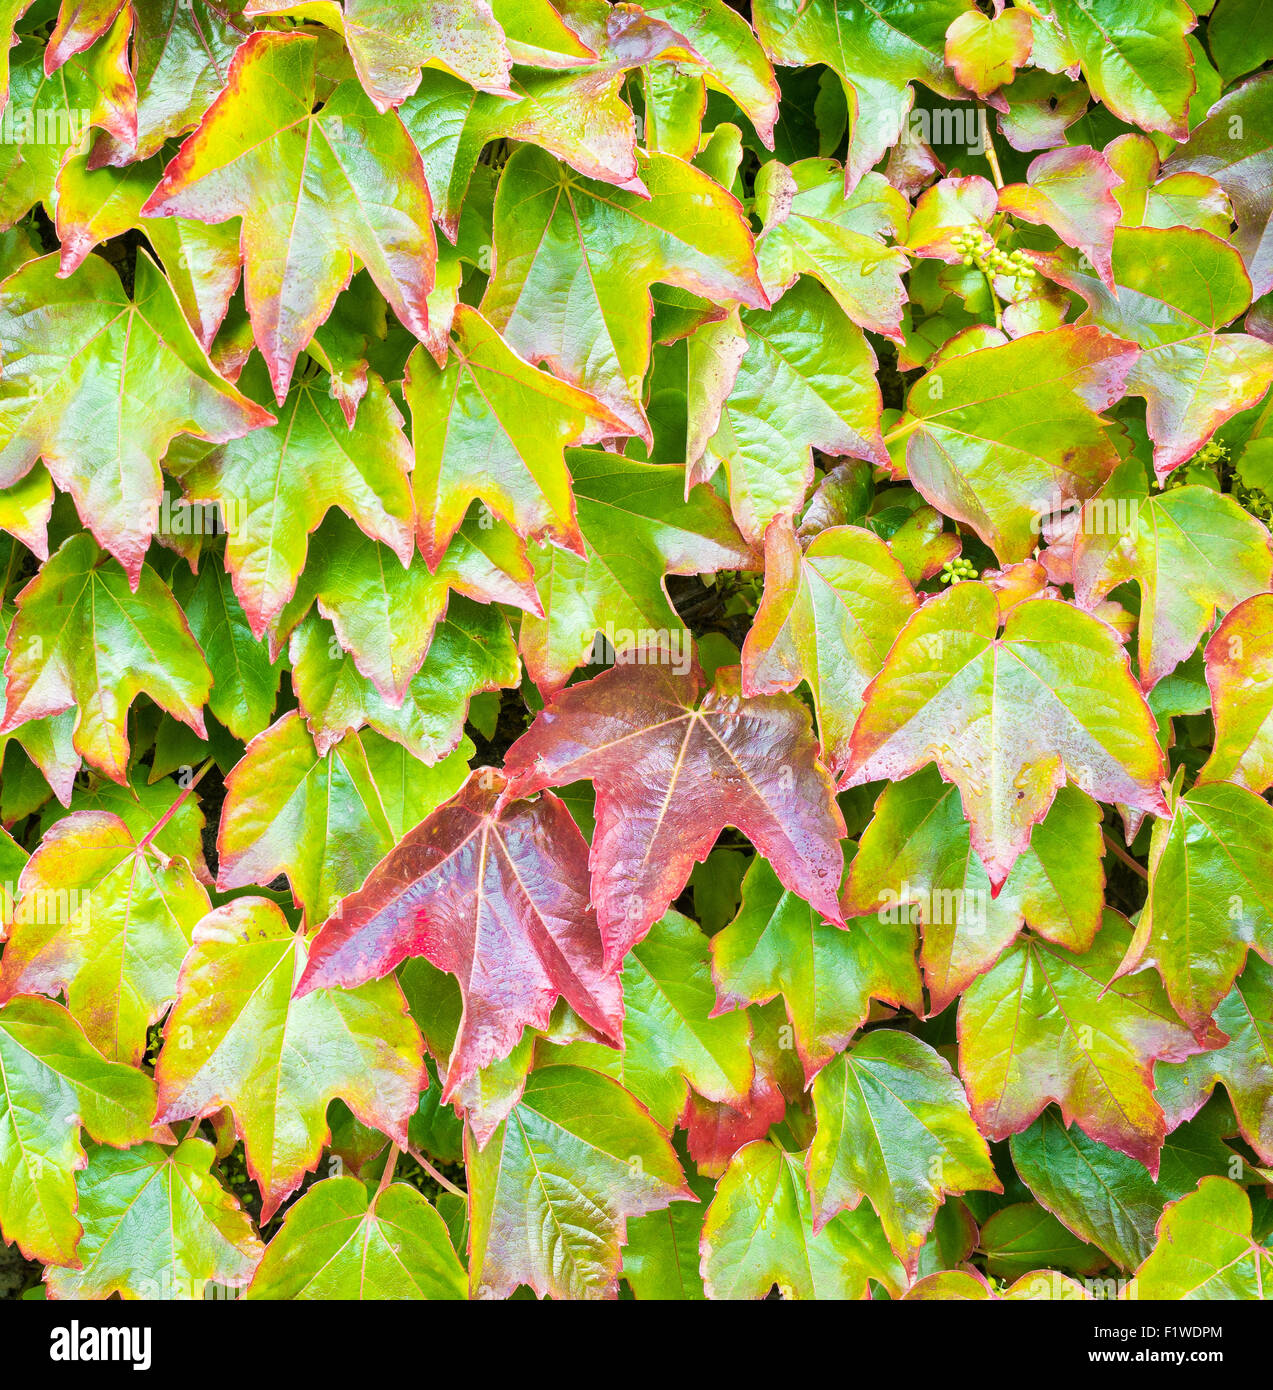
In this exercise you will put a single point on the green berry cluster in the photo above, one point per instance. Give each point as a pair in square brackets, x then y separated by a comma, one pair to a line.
[957, 570]
[977, 248]
[1255, 500]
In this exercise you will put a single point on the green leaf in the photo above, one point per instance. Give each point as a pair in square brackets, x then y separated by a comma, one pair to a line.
[1176, 288]
[1239, 661]
[471, 651]
[985, 52]
[917, 853]
[157, 1225]
[314, 188]
[236, 1038]
[340, 1242]
[811, 228]
[876, 50]
[1210, 898]
[488, 425]
[1025, 1237]
[106, 921]
[828, 616]
[276, 485]
[1047, 1025]
[893, 1126]
[802, 373]
[1206, 1250]
[1008, 719]
[1227, 147]
[1000, 437]
[551, 1194]
[99, 385]
[638, 525]
[325, 820]
[826, 975]
[759, 1233]
[1193, 551]
[672, 1039]
[244, 680]
[593, 328]
[84, 639]
[54, 1081]
[1244, 1065]
[1134, 57]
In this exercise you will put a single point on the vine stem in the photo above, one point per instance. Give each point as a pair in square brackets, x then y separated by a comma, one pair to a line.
[992, 155]
[436, 1176]
[902, 431]
[148, 838]
[1121, 853]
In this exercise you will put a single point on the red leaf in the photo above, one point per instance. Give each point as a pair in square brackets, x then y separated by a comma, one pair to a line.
[670, 777]
[489, 888]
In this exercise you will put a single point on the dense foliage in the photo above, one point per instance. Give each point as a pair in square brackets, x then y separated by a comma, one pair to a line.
[702, 729]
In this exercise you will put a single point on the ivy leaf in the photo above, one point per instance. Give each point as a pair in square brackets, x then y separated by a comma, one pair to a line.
[472, 651]
[671, 774]
[1183, 199]
[338, 1241]
[47, 742]
[1046, 1025]
[487, 888]
[389, 45]
[275, 486]
[1209, 896]
[1239, 660]
[98, 385]
[1129, 533]
[1071, 190]
[181, 57]
[1043, 108]
[551, 1195]
[811, 228]
[315, 190]
[157, 1225]
[1244, 1065]
[638, 525]
[386, 616]
[49, 113]
[80, 23]
[893, 1126]
[759, 1232]
[1241, 166]
[54, 1081]
[828, 616]
[827, 976]
[244, 680]
[1176, 288]
[1008, 719]
[985, 52]
[595, 331]
[1001, 435]
[728, 56]
[802, 372]
[672, 1037]
[84, 639]
[236, 1038]
[1135, 57]
[1022, 1238]
[917, 851]
[105, 921]
[325, 820]
[876, 50]
[1205, 1249]
[489, 425]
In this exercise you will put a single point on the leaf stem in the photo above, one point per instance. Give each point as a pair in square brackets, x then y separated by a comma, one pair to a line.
[902, 431]
[148, 838]
[1121, 853]
[436, 1176]
[386, 1177]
